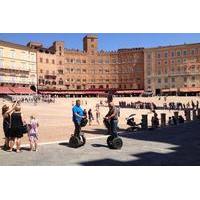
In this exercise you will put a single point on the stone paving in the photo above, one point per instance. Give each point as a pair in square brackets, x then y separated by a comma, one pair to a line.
[56, 119]
[178, 145]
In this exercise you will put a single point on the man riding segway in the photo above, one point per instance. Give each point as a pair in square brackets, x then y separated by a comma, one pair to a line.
[111, 122]
[79, 120]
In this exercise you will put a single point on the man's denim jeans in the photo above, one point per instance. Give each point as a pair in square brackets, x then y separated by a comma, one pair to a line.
[77, 129]
[113, 127]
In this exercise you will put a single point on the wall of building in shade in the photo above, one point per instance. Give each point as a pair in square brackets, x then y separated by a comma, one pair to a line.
[59, 69]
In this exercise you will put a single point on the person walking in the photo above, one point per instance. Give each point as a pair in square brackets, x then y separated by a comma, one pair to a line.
[97, 115]
[90, 116]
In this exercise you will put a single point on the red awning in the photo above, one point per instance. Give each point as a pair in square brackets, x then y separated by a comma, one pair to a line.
[72, 92]
[130, 92]
[94, 92]
[5, 90]
[138, 91]
[21, 90]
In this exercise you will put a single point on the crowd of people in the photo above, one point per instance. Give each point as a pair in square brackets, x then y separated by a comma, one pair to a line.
[138, 105]
[33, 98]
[14, 127]
[181, 106]
[166, 106]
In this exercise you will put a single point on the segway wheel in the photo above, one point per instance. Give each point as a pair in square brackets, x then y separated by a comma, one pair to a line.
[74, 142]
[117, 143]
[82, 140]
[110, 141]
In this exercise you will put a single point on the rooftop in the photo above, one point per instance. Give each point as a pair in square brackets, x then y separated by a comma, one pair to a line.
[13, 45]
[173, 46]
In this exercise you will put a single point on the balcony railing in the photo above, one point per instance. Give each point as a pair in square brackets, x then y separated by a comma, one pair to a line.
[10, 79]
[20, 68]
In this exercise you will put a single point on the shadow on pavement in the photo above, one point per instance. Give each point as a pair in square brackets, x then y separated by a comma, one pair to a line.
[66, 144]
[99, 146]
[185, 137]
[96, 131]
[25, 148]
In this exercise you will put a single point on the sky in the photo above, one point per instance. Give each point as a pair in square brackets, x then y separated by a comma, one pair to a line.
[107, 41]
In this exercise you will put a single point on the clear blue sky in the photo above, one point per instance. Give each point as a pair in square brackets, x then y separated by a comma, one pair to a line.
[107, 41]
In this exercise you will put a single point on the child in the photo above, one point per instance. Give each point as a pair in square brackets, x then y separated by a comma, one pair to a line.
[33, 134]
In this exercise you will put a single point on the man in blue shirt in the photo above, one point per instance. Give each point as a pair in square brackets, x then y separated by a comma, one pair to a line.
[78, 115]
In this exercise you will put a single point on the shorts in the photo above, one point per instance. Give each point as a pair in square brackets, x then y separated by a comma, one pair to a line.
[33, 138]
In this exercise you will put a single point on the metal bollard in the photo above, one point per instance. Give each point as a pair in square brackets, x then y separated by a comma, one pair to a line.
[163, 119]
[198, 113]
[194, 113]
[187, 115]
[176, 115]
[144, 123]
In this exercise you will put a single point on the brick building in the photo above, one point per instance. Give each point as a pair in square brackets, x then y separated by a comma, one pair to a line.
[172, 69]
[58, 70]
[61, 69]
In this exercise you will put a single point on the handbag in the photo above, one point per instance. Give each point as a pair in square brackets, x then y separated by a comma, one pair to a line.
[84, 122]
[24, 129]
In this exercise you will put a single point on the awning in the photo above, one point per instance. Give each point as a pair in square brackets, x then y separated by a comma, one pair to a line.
[94, 92]
[138, 91]
[53, 92]
[72, 92]
[5, 90]
[21, 90]
[197, 89]
[170, 90]
[130, 92]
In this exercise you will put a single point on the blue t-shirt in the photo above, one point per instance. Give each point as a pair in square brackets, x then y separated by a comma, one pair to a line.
[79, 111]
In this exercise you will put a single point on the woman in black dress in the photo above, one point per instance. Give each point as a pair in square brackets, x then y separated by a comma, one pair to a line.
[15, 131]
[6, 123]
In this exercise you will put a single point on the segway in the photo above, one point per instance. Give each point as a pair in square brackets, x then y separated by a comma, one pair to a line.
[76, 141]
[112, 141]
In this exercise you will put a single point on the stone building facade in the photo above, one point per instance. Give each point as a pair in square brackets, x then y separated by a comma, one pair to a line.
[18, 65]
[63, 69]
[58, 69]
[172, 68]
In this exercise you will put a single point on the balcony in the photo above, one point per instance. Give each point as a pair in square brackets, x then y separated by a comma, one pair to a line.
[17, 68]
